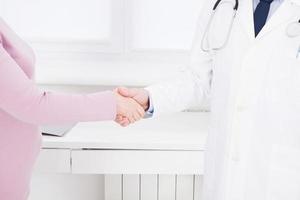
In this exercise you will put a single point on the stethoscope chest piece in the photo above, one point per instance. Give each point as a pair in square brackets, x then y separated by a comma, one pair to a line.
[293, 30]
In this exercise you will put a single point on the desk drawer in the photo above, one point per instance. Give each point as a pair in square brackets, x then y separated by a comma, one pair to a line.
[137, 162]
[54, 161]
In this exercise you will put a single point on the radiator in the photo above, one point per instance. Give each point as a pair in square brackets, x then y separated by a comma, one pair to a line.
[152, 187]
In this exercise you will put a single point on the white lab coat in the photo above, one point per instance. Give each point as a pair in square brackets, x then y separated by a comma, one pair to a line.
[253, 86]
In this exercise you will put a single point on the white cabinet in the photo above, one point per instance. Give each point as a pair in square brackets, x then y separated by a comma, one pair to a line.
[153, 159]
[137, 162]
[54, 161]
[153, 146]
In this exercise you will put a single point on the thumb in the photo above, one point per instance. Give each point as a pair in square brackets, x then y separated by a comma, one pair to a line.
[127, 92]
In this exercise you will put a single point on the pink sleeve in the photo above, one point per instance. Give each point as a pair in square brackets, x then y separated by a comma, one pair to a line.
[20, 97]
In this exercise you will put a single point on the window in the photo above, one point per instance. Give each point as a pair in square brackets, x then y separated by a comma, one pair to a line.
[69, 24]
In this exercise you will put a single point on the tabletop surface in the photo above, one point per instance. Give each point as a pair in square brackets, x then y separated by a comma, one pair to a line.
[181, 131]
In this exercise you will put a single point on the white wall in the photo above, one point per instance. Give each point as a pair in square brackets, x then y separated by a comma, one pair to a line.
[162, 25]
[107, 42]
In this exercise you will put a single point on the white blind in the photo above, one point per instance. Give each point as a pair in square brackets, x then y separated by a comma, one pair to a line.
[105, 39]
[59, 19]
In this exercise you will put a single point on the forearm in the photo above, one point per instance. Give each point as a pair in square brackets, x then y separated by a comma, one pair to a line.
[181, 93]
[51, 108]
[20, 97]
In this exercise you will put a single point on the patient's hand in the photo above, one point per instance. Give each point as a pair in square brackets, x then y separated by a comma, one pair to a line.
[128, 108]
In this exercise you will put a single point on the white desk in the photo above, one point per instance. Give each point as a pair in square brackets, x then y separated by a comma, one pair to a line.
[167, 145]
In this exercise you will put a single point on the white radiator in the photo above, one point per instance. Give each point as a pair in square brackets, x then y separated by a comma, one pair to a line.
[152, 187]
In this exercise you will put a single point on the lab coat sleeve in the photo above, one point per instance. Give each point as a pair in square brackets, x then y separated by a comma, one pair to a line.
[193, 85]
[20, 97]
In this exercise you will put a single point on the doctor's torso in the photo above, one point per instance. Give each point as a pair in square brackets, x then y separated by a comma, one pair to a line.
[250, 68]
[255, 107]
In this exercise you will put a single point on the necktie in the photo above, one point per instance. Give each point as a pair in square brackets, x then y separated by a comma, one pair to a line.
[261, 14]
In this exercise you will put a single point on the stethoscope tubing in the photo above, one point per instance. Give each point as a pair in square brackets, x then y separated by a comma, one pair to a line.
[205, 35]
[207, 30]
[235, 8]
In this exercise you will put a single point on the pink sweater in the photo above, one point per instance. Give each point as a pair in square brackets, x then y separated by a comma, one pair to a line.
[23, 107]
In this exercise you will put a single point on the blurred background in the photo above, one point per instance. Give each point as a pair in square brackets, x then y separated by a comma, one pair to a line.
[90, 45]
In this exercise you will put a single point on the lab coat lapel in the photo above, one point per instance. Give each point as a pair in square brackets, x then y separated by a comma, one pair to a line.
[245, 15]
[285, 12]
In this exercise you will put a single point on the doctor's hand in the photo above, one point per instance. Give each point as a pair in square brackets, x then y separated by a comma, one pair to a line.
[141, 96]
[128, 109]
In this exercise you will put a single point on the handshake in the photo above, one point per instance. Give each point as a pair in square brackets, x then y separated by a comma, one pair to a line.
[131, 105]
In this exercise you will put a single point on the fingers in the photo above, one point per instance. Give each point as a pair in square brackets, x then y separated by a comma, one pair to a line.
[125, 123]
[119, 119]
[122, 121]
[139, 95]
[128, 118]
[131, 119]
[137, 116]
[141, 112]
[126, 92]
[134, 117]
[123, 91]
[129, 111]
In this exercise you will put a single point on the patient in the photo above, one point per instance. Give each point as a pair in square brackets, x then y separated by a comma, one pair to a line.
[23, 107]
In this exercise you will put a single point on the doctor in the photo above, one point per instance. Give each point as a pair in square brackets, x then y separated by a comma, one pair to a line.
[245, 62]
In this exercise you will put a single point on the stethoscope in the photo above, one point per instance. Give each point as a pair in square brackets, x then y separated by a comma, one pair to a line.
[293, 29]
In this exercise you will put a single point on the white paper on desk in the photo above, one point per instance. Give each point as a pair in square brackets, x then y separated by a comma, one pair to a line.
[56, 130]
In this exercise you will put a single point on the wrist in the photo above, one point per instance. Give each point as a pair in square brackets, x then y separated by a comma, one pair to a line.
[146, 107]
